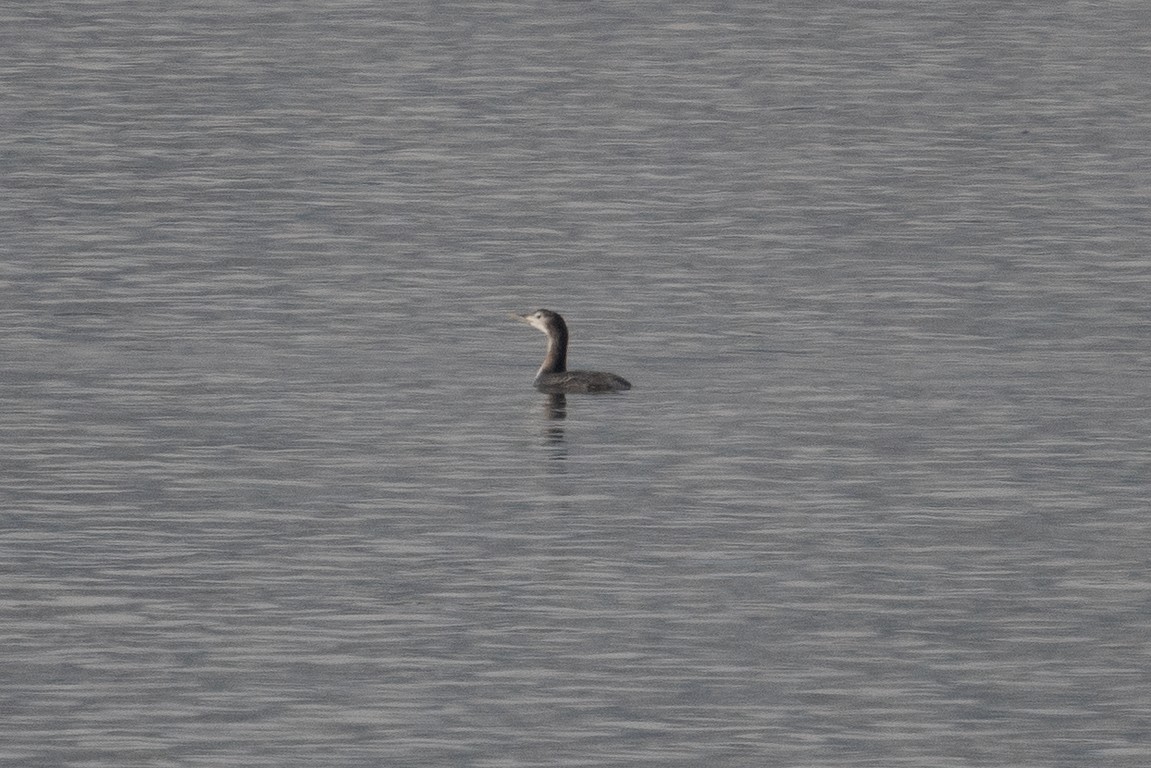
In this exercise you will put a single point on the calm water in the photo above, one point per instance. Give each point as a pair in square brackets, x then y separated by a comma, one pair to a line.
[276, 490]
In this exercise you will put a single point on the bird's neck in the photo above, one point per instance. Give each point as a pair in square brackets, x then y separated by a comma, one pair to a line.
[556, 359]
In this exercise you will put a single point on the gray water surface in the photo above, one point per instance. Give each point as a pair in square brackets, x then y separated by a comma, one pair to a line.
[275, 488]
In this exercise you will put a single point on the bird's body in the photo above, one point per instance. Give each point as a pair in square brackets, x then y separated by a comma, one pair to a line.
[577, 382]
[553, 376]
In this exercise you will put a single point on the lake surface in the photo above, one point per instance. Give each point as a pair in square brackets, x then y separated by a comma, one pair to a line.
[275, 488]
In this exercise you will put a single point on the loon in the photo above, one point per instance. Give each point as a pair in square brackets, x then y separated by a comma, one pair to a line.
[553, 376]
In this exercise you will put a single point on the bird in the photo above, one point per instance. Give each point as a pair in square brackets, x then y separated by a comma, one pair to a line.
[553, 376]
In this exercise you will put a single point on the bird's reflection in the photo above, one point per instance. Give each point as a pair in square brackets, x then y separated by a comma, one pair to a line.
[555, 411]
[556, 407]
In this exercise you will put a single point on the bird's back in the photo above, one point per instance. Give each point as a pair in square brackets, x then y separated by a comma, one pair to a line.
[581, 382]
